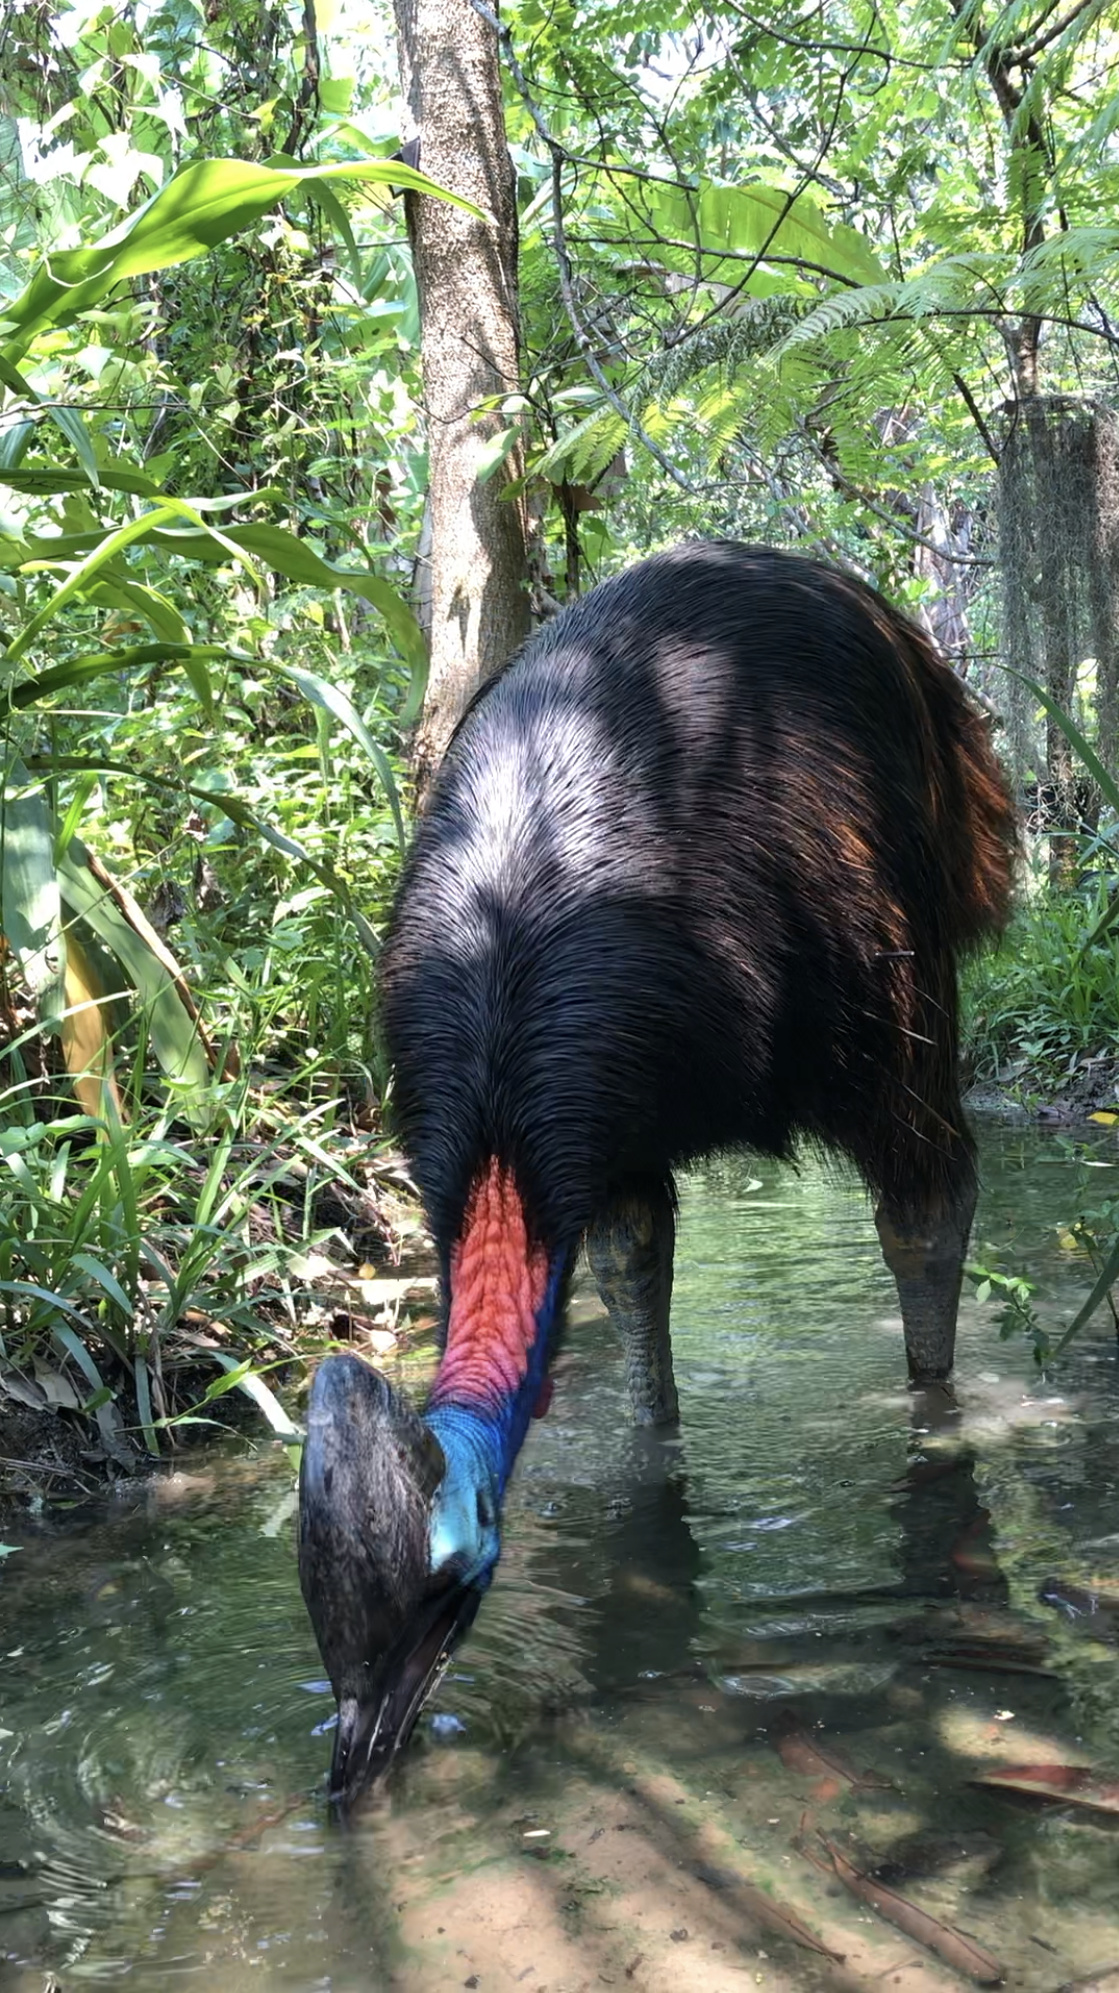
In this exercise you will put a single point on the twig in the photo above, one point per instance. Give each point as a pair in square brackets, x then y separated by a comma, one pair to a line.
[1020, 55]
[558, 157]
[891, 519]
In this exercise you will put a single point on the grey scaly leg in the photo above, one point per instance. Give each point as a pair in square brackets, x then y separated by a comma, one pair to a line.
[926, 1258]
[630, 1252]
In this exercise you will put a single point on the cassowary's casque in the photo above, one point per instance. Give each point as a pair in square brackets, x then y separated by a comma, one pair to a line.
[696, 873]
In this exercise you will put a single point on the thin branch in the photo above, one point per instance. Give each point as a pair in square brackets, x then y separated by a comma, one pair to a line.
[1020, 55]
[977, 417]
[844, 485]
[563, 262]
[885, 55]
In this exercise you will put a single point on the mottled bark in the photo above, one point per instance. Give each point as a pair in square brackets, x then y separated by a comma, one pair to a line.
[466, 272]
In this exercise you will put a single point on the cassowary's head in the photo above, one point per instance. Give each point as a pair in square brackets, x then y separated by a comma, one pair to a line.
[400, 1515]
[390, 1578]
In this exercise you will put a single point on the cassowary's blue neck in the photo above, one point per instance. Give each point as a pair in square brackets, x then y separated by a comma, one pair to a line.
[504, 1293]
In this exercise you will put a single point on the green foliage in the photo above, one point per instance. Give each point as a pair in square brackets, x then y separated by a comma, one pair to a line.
[1011, 1293]
[1048, 998]
[861, 177]
[210, 491]
[775, 300]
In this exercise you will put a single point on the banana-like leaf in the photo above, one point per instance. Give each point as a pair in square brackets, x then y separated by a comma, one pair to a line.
[201, 206]
[30, 905]
[288, 555]
[721, 221]
[176, 1035]
[194, 659]
[87, 1041]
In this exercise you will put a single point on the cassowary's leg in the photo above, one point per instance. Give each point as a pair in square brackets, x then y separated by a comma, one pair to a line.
[630, 1253]
[925, 1253]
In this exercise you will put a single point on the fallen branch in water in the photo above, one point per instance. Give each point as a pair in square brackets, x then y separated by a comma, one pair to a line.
[957, 1950]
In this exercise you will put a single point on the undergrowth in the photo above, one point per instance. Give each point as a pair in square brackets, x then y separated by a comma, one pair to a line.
[1041, 1012]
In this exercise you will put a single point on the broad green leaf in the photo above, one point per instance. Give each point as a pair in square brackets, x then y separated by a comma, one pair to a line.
[417, 690]
[100, 1273]
[102, 1402]
[174, 1033]
[1109, 1274]
[14, 445]
[495, 451]
[248, 1380]
[144, 1405]
[83, 790]
[119, 591]
[82, 670]
[326, 200]
[47, 480]
[726, 224]
[71, 425]
[203, 205]
[30, 905]
[335, 93]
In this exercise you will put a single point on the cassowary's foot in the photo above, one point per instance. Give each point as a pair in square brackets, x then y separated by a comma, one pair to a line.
[630, 1253]
[927, 1262]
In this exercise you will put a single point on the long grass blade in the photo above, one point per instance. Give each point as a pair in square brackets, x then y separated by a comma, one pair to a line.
[1106, 1280]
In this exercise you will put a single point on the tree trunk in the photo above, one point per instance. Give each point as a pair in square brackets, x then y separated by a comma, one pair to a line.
[466, 272]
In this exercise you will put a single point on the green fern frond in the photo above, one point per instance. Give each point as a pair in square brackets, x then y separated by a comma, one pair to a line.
[727, 342]
[582, 453]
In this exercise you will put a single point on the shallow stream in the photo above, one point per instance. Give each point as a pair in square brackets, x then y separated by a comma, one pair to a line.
[718, 1674]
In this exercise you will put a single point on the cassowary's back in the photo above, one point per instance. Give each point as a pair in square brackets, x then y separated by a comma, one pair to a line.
[696, 867]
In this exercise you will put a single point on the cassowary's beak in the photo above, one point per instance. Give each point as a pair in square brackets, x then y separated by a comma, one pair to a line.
[385, 1626]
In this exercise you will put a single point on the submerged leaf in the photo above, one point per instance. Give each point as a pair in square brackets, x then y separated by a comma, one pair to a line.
[1077, 1785]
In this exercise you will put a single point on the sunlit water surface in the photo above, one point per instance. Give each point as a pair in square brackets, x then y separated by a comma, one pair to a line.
[635, 1771]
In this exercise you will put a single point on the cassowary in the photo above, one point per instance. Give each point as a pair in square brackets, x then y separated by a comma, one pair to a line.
[695, 874]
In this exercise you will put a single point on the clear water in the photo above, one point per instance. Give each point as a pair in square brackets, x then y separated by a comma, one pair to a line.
[616, 1784]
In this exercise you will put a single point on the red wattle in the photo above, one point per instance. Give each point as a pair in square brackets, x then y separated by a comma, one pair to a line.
[498, 1281]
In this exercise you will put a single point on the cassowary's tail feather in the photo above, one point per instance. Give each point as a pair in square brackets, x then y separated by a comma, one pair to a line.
[976, 819]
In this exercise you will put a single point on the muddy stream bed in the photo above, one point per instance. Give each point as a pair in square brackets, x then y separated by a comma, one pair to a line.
[719, 1675]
